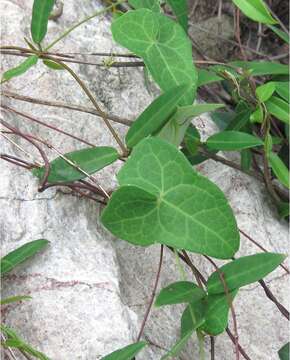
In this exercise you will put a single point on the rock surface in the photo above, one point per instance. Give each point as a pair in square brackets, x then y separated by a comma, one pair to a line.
[89, 290]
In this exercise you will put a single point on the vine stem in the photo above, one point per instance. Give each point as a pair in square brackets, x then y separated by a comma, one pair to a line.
[152, 295]
[97, 13]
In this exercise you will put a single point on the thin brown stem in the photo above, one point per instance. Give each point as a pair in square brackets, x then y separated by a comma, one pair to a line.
[212, 348]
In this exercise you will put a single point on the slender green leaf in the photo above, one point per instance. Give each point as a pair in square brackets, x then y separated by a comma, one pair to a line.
[127, 352]
[179, 292]
[155, 115]
[193, 317]
[20, 69]
[280, 33]
[40, 14]
[246, 159]
[153, 5]
[24, 252]
[217, 313]
[207, 77]
[279, 169]
[163, 45]
[232, 140]
[178, 346]
[255, 10]
[52, 65]
[243, 271]
[282, 88]
[223, 119]
[284, 352]
[163, 200]
[89, 160]
[12, 299]
[239, 121]
[192, 140]
[278, 108]
[261, 68]
[265, 91]
[180, 10]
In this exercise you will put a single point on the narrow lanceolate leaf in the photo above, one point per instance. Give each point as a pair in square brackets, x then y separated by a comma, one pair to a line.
[89, 160]
[40, 14]
[282, 88]
[261, 68]
[20, 69]
[246, 159]
[163, 45]
[280, 33]
[193, 317]
[24, 252]
[206, 77]
[13, 299]
[284, 352]
[179, 292]
[180, 10]
[255, 10]
[52, 65]
[217, 313]
[243, 271]
[155, 115]
[278, 108]
[153, 5]
[265, 91]
[177, 347]
[279, 169]
[232, 140]
[127, 352]
[163, 200]
[192, 140]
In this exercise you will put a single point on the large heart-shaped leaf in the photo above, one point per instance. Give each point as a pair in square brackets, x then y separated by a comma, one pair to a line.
[126, 353]
[243, 271]
[163, 45]
[89, 160]
[255, 10]
[180, 9]
[232, 140]
[153, 5]
[40, 14]
[155, 115]
[163, 200]
[179, 292]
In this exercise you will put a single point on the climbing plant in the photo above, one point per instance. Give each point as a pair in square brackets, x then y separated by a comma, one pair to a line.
[161, 198]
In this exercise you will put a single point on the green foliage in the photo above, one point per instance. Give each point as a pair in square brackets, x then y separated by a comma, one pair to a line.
[193, 317]
[24, 252]
[13, 299]
[127, 352]
[146, 4]
[261, 68]
[284, 352]
[232, 140]
[20, 69]
[180, 10]
[206, 77]
[40, 14]
[265, 91]
[163, 200]
[52, 65]
[278, 108]
[279, 169]
[178, 346]
[89, 160]
[243, 271]
[282, 88]
[282, 35]
[155, 115]
[179, 292]
[256, 10]
[163, 45]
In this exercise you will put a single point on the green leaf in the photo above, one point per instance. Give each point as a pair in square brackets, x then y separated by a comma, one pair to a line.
[239, 121]
[278, 108]
[246, 159]
[20, 69]
[261, 68]
[282, 88]
[284, 352]
[279, 169]
[40, 14]
[265, 91]
[179, 292]
[178, 346]
[206, 77]
[192, 140]
[243, 271]
[127, 352]
[280, 33]
[193, 317]
[284, 209]
[255, 10]
[194, 159]
[163, 45]
[217, 313]
[163, 200]
[223, 119]
[258, 115]
[232, 140]
[15, 257]
[146, 4]
[89, 160]
[180, 10]
[52, 65]
[13, 299]
[155, 115]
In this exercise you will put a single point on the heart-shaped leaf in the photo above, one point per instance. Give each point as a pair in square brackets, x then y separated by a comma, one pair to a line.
[232, 140]
[40, 14]
[89, 160]
[163, 45]
[155, 115]
[255, 10]
[127, 352]
[243, 271]
[179, 292]
[20, 69]
[180, 10]
[153, 5]
[163, 200]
